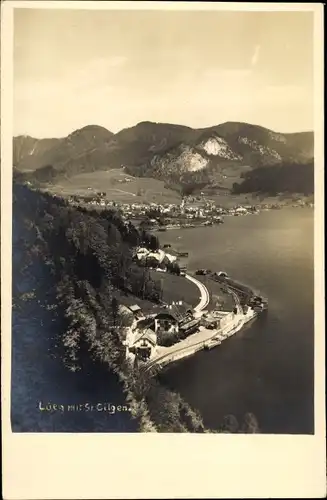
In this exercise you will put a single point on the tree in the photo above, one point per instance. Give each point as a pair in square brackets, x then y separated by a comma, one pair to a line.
[115, 310]
[230, 424]
[173, 267]
[141, 381]
[143, 236]
[154, 242]
[250, 424]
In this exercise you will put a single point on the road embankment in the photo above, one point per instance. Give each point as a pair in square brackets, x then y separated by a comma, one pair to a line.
[204, 294]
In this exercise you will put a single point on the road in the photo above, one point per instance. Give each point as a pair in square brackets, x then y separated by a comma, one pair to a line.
[121, 191]
[204, 294]
[205, 297]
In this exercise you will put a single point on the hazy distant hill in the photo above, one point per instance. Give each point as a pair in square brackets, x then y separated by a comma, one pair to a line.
[176, 154]
[63, 154]
[27, 149]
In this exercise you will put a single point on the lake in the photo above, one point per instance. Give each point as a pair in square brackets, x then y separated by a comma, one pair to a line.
[268, 368]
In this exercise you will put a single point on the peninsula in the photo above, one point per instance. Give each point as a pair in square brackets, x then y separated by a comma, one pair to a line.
[177, 331]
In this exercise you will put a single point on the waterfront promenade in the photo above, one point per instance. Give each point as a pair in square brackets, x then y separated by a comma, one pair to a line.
[202, 338]
[196, 342]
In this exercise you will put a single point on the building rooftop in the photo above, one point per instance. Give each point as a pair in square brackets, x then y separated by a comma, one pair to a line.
[177, 311]
[134, 308]
[145, 323]
[146, 334]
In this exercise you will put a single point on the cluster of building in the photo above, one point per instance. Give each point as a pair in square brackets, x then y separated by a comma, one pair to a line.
[146, 256]
[176, 321]
[190, 212]
[143, 337]
[95, 200]
[185, 209]
[217, 320]
[186, 214]
[167, 216]
[161, 217]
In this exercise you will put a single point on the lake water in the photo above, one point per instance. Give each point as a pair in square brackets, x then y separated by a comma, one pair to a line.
[268, 368]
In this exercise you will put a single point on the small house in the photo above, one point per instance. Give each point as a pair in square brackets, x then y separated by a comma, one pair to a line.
[227, 319]
[210, 322]
[143, 251]
[241, 210]
[157, 256]
[174, 319]
[143, 344]
[171, 258]
[217, 319]
[136, 310]
[126, 314]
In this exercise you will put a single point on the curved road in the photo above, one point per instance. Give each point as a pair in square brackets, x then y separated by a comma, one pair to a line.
[205, 297]
[204, 294]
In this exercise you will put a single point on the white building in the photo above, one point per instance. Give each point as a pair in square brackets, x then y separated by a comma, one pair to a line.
[171, 258]
[141, 344]
[159, 255]
[241, 210]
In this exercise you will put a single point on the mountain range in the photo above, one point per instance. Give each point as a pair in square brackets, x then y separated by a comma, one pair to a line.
[179, 155]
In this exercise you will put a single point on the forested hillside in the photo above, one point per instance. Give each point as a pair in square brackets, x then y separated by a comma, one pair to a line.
[274, 179]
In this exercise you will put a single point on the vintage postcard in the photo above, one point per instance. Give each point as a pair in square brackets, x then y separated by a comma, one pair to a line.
[162, 243]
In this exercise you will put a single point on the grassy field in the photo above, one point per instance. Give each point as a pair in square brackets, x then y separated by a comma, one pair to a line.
[141, 189]
[177, 288]
[218, 298]
[137, 190]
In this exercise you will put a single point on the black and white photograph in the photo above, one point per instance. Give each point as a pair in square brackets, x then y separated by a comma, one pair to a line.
[163, 222]
[162, 289]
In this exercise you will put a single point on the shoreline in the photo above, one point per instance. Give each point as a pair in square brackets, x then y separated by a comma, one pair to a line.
[214, 224]
[204, 338]
[216, 337]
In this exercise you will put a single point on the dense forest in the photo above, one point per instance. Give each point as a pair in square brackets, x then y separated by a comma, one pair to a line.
[275, 179]
[90, 255]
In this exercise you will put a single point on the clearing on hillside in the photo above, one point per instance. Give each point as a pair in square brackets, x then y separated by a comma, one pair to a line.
[118, 186]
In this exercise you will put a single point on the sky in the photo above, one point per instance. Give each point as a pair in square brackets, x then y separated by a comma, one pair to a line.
[74, 68]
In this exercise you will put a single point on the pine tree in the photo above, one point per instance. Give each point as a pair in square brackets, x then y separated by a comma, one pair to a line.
[115, 310]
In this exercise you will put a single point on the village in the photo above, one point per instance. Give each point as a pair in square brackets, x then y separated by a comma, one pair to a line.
[191, 212]
[176, 330]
